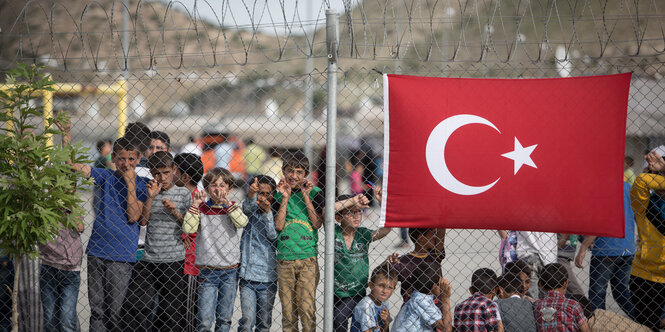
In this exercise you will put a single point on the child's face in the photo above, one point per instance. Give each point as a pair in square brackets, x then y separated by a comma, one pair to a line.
[350, 217]
[164, 176]
[428, 240]
[155, 145]
[382, 289]
[264, 197]
[106, 149]
[218, 191]
[526, 283]
[179, 178]
[294, 176]
[125, 160]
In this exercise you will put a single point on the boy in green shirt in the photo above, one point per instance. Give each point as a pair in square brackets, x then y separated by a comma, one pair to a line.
[299, 216]
[352, 255]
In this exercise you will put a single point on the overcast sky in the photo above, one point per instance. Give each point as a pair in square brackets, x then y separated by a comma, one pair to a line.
[265, 13]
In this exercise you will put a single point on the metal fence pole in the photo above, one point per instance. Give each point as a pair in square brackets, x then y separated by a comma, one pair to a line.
[332, 37]
[125, 38]
[309, 103]
[123, 105]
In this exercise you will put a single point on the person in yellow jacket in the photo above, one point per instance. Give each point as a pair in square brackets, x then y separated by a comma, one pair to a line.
[647, 280]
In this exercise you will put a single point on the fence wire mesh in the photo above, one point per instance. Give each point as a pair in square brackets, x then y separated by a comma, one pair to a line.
[242, 86]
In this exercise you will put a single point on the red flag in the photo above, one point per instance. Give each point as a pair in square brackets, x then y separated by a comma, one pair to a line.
[514, 154]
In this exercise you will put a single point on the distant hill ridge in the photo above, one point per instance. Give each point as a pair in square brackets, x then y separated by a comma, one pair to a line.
[163, 36]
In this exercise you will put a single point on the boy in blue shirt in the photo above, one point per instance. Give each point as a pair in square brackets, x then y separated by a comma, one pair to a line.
[372, 312]
[421, 313]
[112, 246]
[258, 263]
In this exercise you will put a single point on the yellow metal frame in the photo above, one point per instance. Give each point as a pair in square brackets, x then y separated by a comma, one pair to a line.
[119, 89]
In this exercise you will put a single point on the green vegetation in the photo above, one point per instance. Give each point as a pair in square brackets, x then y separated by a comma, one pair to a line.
[37, 185]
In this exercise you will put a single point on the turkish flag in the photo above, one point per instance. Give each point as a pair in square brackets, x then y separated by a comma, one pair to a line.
[514, 154]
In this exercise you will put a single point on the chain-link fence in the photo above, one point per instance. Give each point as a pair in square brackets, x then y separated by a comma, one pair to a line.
[245, 87]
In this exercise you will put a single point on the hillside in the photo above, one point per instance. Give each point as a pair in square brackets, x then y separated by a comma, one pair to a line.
[176, 57]
[172, 55]
[494, 32]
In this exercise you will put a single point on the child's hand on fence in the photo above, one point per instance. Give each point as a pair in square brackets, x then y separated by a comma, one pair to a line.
[199, 197]
[170, 207]
[361, 201]
[187, 242]
[443, 288]
[226, 202]
[656, 163]
[385, 316]
[264, 205]
[154, 188]
[378, 194]
[129, 175]
[307, 187]
[284, 188]
[393, 259]
[253, 188]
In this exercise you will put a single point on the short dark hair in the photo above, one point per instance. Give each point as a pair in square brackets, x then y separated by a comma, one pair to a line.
[423, 278]
[517, 267]
[274, 151]
[385, 270]
[416, 233]
[190, 164]
[216, 173]
[138, 133]
[162, 136]
[553, 276]
[123, 143]
[295, 160]
[342, 198]
[100, 144]
[511, 283]
[484, 280]
[160, 159]
[264, 179]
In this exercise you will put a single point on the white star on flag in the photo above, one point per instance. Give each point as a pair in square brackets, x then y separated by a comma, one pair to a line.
[521, 155]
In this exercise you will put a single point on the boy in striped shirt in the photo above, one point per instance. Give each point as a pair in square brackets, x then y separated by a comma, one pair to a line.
[159, 273]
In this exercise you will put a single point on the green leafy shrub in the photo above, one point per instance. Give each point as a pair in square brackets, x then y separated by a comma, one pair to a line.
[37, 185]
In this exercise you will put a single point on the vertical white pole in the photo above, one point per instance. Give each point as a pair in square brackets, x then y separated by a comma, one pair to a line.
[309, 102]
[123, 95]
[125, 37]
[332, 38]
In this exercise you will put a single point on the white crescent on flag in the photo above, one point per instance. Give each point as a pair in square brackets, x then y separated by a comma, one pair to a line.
[436, 160]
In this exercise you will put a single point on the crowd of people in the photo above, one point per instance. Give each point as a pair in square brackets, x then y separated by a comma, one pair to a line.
[170, 250]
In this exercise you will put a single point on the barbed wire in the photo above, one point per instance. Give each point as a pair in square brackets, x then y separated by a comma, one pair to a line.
[169, 35]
